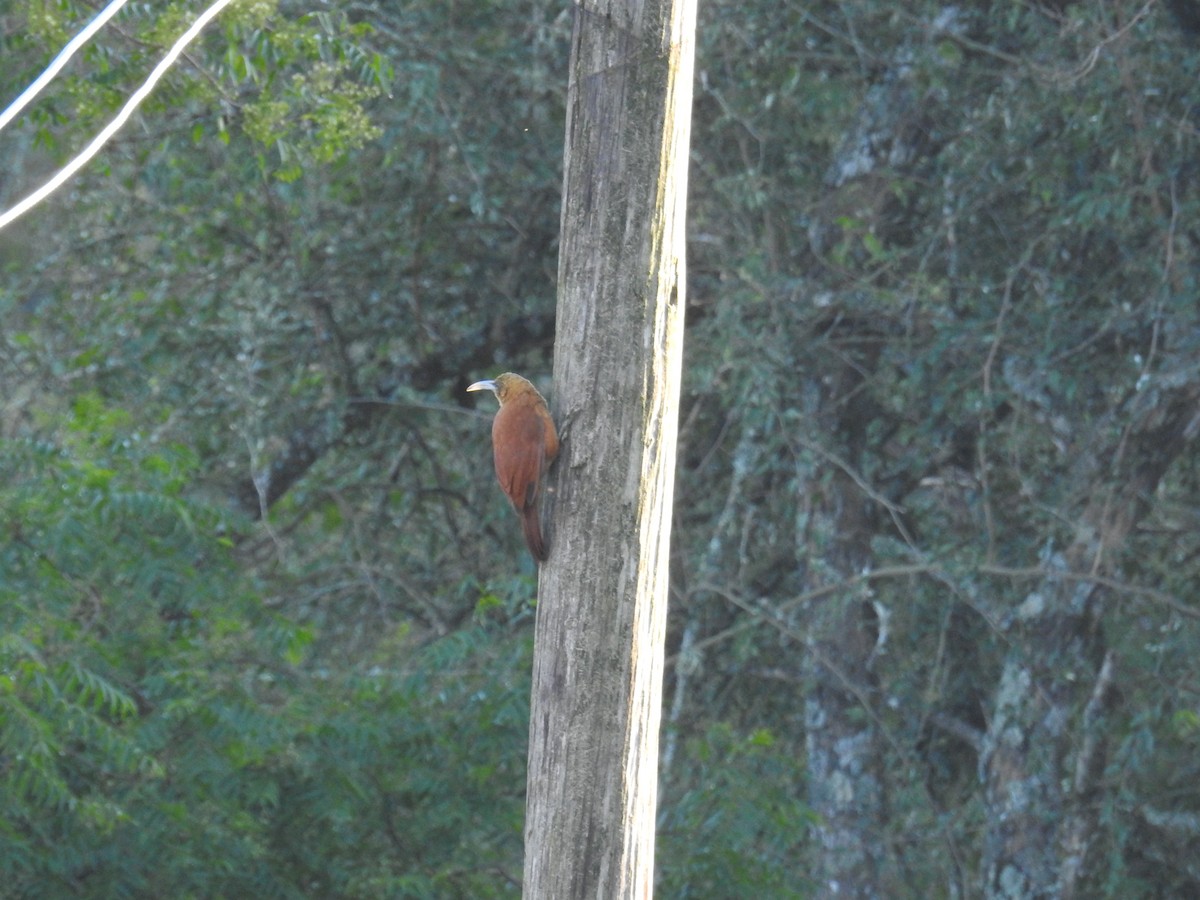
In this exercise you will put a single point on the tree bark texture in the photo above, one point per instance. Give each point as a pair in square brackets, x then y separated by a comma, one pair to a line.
[597, 673]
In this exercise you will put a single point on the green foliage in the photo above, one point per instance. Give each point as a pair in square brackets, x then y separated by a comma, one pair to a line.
[161, 735]
[97, 581]
[734, 817]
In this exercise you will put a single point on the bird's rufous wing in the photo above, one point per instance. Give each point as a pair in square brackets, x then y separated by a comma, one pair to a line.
[519, 449]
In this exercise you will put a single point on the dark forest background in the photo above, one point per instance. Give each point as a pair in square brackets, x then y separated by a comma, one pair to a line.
[265, 622]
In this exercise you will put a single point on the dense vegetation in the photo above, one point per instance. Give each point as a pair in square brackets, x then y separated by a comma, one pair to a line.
[265, 621]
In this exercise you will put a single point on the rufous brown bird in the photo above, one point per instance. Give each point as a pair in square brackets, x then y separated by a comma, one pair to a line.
[524, 443]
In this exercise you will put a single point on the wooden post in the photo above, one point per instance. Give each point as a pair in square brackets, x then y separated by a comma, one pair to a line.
[597, 673]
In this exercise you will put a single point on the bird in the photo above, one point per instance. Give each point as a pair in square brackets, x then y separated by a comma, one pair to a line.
[524, 443]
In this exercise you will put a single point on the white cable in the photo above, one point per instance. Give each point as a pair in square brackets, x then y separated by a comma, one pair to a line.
[59, 61]
[109, 130]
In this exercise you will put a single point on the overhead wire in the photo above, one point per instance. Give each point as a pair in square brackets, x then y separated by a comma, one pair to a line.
[134, 101]
[56, 66]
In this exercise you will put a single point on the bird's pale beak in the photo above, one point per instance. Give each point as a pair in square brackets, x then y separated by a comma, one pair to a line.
[487, 385]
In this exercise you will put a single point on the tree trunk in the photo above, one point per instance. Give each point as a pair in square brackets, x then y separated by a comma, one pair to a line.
[597, 672]
[1045, 749]
[842, 739]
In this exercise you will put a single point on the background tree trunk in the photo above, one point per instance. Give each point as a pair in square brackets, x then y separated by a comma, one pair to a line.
[842, 736]
[597, 675]
[1044, 753]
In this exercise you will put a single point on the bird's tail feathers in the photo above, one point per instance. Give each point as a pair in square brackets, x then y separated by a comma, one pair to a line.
[533, 534]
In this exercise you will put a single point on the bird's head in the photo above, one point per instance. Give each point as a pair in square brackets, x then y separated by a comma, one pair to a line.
[504, 386]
